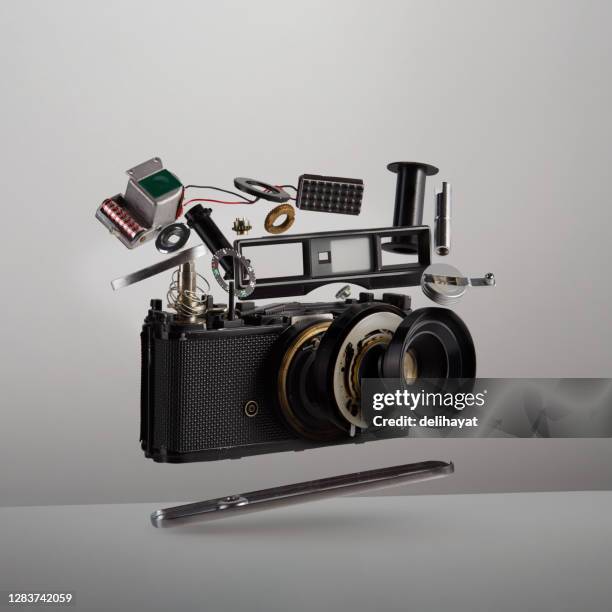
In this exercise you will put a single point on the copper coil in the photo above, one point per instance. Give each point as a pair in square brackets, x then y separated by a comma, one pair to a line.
[122, 219]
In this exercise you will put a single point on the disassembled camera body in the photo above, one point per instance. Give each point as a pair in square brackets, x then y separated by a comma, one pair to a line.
[283, 376]
[236, 379]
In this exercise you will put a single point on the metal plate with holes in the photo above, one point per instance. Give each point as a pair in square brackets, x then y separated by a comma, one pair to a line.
[352, 256]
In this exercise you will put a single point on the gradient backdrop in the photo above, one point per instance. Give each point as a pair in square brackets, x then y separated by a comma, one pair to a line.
[510, 99]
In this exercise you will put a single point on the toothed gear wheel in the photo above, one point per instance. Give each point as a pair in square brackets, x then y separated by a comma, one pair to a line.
[242, 226]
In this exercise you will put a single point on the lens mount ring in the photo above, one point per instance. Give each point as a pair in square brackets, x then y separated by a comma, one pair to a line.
[288, 394]
[342, 345]
[375, 341]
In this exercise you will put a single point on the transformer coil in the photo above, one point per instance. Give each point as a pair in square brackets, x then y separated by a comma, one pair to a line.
[121, 219]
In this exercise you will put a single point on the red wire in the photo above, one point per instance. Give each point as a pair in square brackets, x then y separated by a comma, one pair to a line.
[181, 206]
[213, 201]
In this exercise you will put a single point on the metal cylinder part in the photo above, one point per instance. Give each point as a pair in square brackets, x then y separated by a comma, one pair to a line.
[436, 289]
[184, 295]
[187, 277]
[409, 198]
[442, 230]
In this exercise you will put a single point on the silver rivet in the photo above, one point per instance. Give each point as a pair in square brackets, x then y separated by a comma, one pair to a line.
[251, 408]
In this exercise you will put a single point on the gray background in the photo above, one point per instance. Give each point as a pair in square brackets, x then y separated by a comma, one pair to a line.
[541, 552]
[510, 99]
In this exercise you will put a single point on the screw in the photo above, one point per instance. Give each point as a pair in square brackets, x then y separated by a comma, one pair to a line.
[251, 408]
[343, 292]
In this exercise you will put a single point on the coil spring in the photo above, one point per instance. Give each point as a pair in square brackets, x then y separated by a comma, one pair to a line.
[187, 302]
[122, 220]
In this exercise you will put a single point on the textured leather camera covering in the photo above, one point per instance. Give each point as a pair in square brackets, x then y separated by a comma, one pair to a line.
[195, 389]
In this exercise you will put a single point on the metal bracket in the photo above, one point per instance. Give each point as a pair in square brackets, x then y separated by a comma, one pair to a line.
[348, 256]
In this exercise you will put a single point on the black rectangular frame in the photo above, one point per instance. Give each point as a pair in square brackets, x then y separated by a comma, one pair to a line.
[316, 274]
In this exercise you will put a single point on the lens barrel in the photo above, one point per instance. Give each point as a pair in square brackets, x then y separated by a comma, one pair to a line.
[318, 364]
[439, 342]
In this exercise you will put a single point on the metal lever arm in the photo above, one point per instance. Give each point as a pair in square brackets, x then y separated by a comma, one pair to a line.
[488, 280]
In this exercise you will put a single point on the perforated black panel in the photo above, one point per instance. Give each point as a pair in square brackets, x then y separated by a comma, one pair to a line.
[199, 388]
[329, 194]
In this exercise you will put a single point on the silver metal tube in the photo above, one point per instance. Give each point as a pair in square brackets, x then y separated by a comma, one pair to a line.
[187, 277]
[442, 232]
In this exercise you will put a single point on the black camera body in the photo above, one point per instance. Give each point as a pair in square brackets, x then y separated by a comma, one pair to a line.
[267, 381]
[210, 393]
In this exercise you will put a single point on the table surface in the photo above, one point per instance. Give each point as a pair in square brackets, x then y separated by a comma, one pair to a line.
[522, 551]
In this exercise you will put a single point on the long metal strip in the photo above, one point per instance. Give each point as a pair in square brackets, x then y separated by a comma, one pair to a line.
[287, 495]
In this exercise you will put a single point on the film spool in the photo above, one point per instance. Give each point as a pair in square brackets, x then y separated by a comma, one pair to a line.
[215, 264]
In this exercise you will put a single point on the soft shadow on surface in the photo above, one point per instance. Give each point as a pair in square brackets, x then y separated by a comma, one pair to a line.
[277, 523]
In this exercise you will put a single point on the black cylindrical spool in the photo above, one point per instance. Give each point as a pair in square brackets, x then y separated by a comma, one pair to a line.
[409, 198]
[199, 219]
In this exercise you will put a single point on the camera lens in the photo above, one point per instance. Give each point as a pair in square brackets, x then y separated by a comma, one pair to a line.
[431, 344]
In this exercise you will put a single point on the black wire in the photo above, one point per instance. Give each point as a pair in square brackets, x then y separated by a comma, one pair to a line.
[290, 187]
[234, 193]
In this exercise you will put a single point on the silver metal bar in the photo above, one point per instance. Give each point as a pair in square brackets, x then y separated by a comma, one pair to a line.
[287, 495]
[161, 266]
[488, 280]
[442, 222]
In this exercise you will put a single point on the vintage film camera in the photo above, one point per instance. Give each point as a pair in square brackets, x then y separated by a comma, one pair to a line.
[230, 380]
